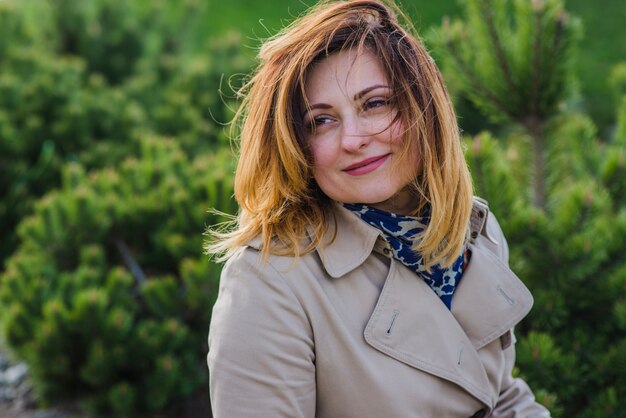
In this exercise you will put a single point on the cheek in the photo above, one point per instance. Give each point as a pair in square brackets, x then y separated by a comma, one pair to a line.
[411, 156]
[323, 156]
[397, 133]
[414, 159]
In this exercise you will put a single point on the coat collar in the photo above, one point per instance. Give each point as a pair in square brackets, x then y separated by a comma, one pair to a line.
[349, 241]
[346, 244]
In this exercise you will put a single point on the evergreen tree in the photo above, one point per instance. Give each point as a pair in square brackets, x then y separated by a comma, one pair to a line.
[559, 193]
[513, 59]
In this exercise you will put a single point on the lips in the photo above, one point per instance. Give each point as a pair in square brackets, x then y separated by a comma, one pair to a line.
[366, 166]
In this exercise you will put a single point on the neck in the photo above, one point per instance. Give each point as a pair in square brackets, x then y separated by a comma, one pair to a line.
[402, 203]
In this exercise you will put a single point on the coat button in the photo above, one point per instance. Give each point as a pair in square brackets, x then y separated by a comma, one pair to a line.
[479, 414]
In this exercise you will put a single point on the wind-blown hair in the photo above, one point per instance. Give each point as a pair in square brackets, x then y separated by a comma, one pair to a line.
[279, 201]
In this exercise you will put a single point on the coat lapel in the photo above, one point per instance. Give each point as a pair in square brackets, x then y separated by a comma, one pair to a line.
[420, 332]
[412, 325]
[490, 299]
[347, 243]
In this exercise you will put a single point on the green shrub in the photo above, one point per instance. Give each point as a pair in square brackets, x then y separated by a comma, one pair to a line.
[83, 81]
[108, 297]
[558, 192]
[50, 109]
[570, 255]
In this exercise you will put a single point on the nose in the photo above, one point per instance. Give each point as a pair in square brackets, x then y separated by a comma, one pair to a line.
[353, 137]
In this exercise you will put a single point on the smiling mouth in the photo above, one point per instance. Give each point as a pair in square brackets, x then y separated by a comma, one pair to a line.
[366, 166]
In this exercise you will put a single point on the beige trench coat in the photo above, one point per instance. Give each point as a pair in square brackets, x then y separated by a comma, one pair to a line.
[349, 332]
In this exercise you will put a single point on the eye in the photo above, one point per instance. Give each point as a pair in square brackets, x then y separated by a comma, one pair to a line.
[322, 120]
[317, 121]
[375, 102]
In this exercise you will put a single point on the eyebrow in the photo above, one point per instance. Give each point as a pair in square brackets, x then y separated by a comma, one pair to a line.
[368, 89]
[357, 96]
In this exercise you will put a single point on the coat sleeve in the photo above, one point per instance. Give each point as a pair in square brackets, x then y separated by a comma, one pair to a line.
[261, 353]
[516, 399]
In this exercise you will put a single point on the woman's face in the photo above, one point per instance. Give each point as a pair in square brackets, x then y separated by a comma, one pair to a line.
[355, 143]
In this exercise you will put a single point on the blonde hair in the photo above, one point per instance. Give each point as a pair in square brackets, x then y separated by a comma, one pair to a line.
[278, 198]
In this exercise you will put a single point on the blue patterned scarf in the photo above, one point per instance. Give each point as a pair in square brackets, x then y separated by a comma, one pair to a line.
[400, 230]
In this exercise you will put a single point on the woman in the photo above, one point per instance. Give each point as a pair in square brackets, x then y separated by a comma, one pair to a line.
[363, 280]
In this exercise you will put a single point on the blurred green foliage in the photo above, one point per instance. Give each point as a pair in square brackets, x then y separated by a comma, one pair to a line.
[108, 296]
[568, 245]
[600, 50]
[63, 98]
[112, 147]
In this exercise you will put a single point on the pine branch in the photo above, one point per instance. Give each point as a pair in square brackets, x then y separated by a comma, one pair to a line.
[558, 41]
[536, 120]
[534, 97]
[475, 81]
[497, 45]
[130, 261]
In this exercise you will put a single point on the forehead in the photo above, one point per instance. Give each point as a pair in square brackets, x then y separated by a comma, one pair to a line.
[348, 71]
